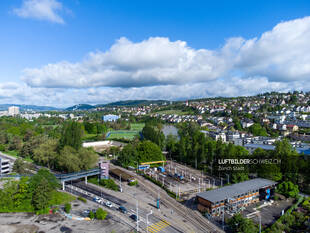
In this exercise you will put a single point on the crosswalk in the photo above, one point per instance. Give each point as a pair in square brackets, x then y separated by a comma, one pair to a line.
[157, 227]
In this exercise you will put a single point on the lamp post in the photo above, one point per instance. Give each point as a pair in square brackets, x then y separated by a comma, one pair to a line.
[147, 221]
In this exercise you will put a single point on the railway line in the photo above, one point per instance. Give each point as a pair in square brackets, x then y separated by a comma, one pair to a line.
[196, 220]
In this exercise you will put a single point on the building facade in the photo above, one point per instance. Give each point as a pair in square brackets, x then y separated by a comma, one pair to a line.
[4, 166]
[13, 111]
[232, 198]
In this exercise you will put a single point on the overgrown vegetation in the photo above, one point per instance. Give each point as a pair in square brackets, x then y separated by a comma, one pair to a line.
[34, 194]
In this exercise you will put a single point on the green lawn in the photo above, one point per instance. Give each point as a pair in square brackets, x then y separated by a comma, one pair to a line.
[127, 134]
[15, 154]
[89, 137]
[59, 198]
[135, 128]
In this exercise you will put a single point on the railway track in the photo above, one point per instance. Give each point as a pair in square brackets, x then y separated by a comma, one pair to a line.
[194, 218]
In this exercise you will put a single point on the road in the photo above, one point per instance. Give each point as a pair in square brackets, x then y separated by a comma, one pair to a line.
[156, 224]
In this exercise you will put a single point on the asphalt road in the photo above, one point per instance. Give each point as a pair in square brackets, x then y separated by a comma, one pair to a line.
[155, 224]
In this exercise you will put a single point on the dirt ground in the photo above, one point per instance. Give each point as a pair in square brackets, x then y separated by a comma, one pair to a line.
[30, 223]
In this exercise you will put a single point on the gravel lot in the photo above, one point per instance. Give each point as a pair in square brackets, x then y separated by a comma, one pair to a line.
[52, 223]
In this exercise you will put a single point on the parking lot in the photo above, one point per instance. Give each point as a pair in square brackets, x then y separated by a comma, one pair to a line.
[269, 213]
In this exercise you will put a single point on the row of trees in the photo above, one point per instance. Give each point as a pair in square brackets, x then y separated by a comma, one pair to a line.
[201, 152]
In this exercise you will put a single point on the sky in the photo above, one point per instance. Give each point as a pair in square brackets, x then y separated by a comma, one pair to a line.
[65, 52]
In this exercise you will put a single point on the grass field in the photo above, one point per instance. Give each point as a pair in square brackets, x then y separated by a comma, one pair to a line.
[134, 131]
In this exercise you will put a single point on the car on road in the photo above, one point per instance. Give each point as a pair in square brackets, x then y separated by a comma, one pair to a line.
[122, 209]
[134, 217]
[109, 204]
[97, 199]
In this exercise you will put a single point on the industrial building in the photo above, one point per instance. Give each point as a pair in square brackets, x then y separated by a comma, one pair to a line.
[234, 197]
[4, 166]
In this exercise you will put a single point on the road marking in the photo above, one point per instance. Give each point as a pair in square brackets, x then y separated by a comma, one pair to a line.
[157, 227]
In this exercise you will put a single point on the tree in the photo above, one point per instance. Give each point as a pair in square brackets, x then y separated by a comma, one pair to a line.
[239, 224]
[71, 135]
[46, 153]
[41, 195]
[101, 214]
[43, 174]
[67, 208]
[22, 167]
[288, 189]
[257, 130]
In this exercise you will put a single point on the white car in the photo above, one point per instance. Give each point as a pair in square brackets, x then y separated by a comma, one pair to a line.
[109, 204]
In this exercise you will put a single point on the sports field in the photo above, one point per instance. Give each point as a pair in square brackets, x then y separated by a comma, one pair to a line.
[134, 131]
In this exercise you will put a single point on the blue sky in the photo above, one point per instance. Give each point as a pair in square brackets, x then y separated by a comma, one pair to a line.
[63, 52]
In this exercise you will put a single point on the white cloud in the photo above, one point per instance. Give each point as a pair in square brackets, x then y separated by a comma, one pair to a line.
[157, 68]
[41, 9]
[156, 61]
[282, 54]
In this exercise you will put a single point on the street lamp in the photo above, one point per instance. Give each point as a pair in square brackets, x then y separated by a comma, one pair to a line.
[147, 221]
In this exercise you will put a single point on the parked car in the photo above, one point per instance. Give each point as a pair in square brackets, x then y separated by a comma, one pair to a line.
[122, 209]
[109, 204]
[134, 217]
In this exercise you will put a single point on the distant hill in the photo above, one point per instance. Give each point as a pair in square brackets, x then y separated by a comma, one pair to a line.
[24, 107]
[133, 103]
[80, 107]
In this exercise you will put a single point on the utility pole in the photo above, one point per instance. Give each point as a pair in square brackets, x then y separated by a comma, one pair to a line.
[221, 182]
[120, 183]
[223, 220]
[260, 223]
[199, 185]
[137, 207]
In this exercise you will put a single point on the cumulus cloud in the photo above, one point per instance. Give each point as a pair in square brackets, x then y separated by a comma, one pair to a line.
[157, 68]
[282, 54]
[41, 9]
[156, 61]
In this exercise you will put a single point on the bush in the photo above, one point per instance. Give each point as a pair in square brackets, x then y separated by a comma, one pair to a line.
[101, 214]
[133, 183]
[109, 184]
[67, 208]
[82, 199]
[2, 147]
[91, 215]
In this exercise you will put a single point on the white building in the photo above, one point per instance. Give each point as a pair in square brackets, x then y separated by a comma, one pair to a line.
[13, 110]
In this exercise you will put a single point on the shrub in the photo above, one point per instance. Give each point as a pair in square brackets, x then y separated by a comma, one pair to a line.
[133, 183]
[101, 214]
[91, 215]
[109, 184]
[67, 208]
[82, 199]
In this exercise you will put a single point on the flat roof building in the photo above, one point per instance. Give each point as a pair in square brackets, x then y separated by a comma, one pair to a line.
[233, 197]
